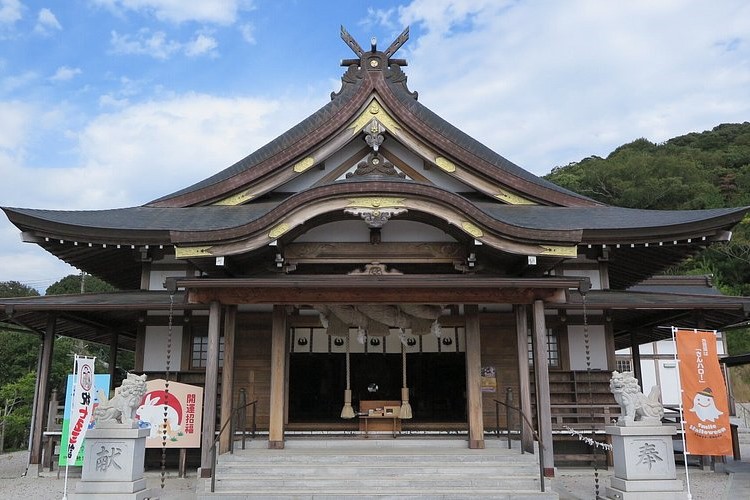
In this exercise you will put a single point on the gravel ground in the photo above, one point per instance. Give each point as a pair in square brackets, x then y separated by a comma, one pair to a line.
[14, 485]
[571, 484]
[579, 484]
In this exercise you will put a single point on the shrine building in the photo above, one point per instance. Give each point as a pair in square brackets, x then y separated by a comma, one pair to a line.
[376, 253]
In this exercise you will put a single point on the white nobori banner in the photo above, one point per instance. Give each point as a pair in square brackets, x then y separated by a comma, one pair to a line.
[83, 404]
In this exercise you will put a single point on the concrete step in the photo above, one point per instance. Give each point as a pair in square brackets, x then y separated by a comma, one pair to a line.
[406, 494]
[389, 468]
[383, 484]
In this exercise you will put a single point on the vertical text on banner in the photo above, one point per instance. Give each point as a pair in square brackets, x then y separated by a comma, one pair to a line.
[83, 403]
[704, 394]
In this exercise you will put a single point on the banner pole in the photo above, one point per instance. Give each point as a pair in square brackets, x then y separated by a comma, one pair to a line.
[67, 461]
[682, 418]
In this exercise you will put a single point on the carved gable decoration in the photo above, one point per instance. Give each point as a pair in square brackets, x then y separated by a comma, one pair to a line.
[376, 167]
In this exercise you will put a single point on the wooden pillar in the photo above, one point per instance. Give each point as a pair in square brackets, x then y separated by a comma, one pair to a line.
[210, 389]
[635, 356]
[113, 342]
[140, 342]
[524, 383]
[42, 381]
[473, 377]
[227, 377]
[541, 372]
[278, 377]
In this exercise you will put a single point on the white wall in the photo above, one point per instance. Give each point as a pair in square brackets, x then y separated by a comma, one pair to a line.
[670, 392]
[157, 276]
[597, 347]
[591, 274]
[155, 349]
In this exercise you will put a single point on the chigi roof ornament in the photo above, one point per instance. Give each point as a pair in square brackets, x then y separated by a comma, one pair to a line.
[373, 59]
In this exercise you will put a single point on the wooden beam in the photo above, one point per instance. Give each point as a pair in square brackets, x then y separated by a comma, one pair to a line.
[227, 377]
[349, 295]
[524, 383]
[385, 253]
[278, 377]
[473, 377]
[210, 389]
[42, 381]
[541, 372]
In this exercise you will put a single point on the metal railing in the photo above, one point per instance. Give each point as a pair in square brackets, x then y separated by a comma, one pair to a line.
[233, 417]
[741, 410]
[509, 409]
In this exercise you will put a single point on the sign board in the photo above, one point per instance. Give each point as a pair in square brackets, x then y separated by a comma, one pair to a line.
[704, 394]
[489, 379]
[183, 407]
[101, 382]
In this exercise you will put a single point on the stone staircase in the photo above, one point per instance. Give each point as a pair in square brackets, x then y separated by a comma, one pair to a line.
[377, 468]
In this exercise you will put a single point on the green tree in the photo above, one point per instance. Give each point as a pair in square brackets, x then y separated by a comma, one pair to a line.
[71, 284]
[16, 289]
[16, 400]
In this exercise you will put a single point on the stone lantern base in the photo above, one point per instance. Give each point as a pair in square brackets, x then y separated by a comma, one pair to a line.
[644, 463]
[113, 465]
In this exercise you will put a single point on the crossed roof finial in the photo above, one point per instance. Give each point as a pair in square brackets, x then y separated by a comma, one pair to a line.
[392, 48]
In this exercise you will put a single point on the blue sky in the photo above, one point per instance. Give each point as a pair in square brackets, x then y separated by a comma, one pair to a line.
[110, 103]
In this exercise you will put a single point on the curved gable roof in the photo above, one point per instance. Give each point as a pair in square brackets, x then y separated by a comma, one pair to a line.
[359, 84]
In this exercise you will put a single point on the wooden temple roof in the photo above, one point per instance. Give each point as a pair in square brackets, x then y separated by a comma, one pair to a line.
[93, 317]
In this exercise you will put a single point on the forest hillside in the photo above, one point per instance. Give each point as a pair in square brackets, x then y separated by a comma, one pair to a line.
[709, 169]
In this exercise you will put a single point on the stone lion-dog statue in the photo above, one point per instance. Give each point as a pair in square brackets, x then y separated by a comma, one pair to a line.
[634, 405]
[121, 408]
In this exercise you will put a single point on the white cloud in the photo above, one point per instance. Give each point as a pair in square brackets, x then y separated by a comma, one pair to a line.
[145, 42]
[222, 12]
[156, 44]
[46, 22]
[10, 11]
[17, 118]
[172, 143]
[379, 17]
[248, 33]
[564, 81]
[65, 73]
[16, 82]
[202, 44]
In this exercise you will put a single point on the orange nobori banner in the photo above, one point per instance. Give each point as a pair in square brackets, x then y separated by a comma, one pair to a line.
[704, 394]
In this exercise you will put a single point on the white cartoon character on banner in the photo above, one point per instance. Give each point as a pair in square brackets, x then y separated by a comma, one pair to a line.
[151, 412]
[704, 406]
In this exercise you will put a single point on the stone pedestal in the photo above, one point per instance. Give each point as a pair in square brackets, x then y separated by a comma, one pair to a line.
[113, 465]
[644, 463]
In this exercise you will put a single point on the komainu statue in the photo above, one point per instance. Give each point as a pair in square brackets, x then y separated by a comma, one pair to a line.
[121, 408]
[634, 405]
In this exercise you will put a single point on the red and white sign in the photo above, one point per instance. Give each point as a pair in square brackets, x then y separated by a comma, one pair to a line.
[83, 404]
[174, 416]
[704, 394]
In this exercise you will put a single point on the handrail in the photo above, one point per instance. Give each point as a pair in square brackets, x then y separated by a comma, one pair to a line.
[218, 436]
[542, 447]
[741, 406]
